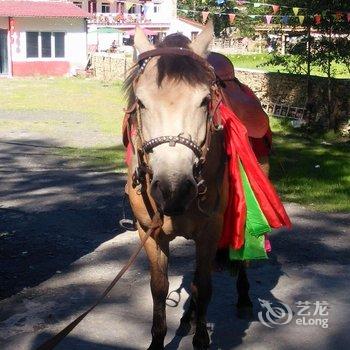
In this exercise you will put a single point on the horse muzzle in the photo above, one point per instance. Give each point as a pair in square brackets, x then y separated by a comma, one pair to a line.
[173, 198]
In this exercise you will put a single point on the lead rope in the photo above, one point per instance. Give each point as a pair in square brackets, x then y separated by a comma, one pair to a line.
[157, 223]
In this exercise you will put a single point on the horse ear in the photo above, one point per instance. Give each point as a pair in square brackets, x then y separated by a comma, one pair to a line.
[201, 43]
[141, 42]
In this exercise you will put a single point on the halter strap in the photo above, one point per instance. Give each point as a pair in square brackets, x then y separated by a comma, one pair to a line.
[172, 141]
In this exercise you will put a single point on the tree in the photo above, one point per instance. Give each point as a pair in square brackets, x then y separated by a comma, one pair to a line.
[244, 23]
[326, 43]
[325, 40]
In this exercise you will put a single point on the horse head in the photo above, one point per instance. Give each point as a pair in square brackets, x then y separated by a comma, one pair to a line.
[173, 93]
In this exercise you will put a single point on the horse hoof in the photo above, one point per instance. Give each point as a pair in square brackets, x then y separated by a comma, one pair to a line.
[201, 340]
[186, 328]
[245, 312]
[200, 345]
[156, 346]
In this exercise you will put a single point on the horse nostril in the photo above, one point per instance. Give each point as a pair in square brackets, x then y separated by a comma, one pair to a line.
[155, 189]
[189, 188]
[160, 192]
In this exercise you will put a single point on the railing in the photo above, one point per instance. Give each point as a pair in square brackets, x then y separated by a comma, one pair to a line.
[283, 110]
[117, 18]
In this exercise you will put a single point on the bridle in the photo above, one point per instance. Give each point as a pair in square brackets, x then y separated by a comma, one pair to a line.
[142, 148]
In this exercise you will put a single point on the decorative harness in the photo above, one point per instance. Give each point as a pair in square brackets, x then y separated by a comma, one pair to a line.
[142, 148]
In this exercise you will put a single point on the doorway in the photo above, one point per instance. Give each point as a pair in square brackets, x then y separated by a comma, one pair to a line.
[3, 52]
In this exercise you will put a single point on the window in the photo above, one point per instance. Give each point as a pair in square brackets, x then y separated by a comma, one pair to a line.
[78, 3]
[51, 44]
[59, 44]
[193, 35]
[46, 44]
[120, 7]
[106, 8]
[32, 44]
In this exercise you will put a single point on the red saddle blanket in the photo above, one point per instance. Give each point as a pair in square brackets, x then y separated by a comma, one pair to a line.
[238, 150]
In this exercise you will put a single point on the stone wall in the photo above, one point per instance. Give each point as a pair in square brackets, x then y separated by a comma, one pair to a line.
[291, 89]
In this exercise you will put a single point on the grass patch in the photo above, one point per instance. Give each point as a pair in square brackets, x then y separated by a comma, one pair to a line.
[101, 104]
[109, 158]
[316, 172]
[258, 61]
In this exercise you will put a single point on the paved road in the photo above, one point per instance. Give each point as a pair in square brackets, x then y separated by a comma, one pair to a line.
[60, 245]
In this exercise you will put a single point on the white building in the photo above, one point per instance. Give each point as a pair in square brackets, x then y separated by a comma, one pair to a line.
[42, 38]
[115, 21]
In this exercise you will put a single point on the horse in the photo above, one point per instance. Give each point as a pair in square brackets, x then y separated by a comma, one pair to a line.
[178, 169]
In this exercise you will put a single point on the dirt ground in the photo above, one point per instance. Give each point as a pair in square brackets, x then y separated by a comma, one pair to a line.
[60, 245]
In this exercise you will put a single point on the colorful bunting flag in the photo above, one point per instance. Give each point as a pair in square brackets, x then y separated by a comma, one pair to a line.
[268, 19]
[275, 8]
[296, 10]
[338, 15]
[231, 17]
[317, 19]
[285, 19]
[205, 15]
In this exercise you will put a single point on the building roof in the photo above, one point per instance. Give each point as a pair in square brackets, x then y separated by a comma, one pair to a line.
[18, 8]
[191, 22]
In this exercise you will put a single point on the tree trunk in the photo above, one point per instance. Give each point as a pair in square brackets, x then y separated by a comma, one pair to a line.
[331, 115]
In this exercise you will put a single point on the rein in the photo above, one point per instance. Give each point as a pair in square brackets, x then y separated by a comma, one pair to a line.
[157, 223]
[141, 149]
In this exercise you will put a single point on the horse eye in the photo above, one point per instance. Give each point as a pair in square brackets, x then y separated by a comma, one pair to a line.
[141, 105]
[205, 101]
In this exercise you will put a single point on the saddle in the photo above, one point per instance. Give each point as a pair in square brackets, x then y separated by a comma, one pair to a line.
[239, 97]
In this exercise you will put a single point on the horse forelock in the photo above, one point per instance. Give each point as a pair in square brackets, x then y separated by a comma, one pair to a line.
[177, 68]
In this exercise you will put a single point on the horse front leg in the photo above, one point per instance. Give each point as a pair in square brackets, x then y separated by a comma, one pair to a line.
[202, 288]
[188, 320]
[158, 252]
[244, 304]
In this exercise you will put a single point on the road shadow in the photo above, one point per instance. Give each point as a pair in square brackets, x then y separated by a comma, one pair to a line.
[53, 210]
[76, 343]
[227, 330]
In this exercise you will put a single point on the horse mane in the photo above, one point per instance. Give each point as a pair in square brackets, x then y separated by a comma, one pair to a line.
[177, 68]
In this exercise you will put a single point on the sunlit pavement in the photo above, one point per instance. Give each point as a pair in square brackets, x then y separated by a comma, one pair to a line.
[60, 245]
[309, 263]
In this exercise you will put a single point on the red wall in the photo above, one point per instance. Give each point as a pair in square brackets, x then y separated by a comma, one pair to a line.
[52, 68]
